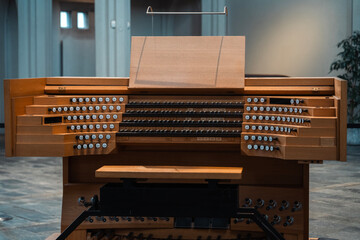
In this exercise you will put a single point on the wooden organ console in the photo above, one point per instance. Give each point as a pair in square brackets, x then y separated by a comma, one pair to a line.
[186, 115]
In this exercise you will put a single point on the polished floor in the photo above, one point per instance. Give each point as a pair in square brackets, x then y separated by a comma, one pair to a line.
[30, 194]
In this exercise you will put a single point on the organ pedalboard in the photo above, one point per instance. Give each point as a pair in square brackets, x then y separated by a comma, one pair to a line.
[181, 122]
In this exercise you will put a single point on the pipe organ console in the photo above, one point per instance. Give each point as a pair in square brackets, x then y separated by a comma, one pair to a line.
[186, 148]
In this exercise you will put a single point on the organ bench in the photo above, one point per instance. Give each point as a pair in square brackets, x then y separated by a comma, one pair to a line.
[185, 116]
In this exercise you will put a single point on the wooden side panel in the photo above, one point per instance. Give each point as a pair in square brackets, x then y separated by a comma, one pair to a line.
[341, 104]
[88, 81]
[17, 94]
[70, 89]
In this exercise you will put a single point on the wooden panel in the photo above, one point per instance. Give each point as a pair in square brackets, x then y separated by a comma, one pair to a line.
[88, 81]
[257, 170]
[85, 89]
[286, 81]
[169, 172]
[187, 62]
[290, 90]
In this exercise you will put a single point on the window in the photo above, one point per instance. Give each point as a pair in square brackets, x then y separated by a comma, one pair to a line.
[65, 19]
[82, 20]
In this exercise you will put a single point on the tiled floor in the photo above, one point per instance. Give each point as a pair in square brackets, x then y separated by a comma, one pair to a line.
[30, 192]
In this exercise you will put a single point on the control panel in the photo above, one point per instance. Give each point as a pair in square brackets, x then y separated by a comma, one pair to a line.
[289, 127]
[70, 125]
[284, 208]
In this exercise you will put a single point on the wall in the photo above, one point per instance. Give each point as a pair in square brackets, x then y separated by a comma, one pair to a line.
[165, 25]
[291, 37]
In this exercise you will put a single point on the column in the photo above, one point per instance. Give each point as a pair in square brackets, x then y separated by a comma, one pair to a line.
[112, 38]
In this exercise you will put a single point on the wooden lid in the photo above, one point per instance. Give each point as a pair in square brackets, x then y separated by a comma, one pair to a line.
[169, 172]
[203, 62]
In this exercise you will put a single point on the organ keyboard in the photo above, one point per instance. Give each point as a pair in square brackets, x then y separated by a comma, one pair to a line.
[186, 103]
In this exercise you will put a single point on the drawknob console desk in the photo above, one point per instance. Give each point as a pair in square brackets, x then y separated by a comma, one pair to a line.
[185, 148]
